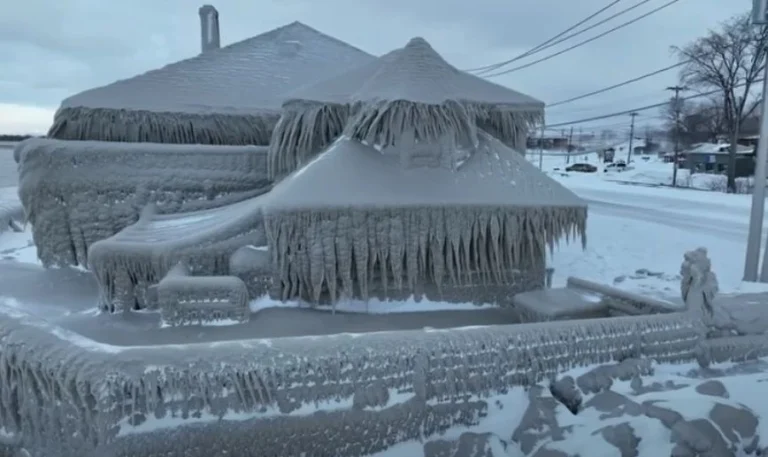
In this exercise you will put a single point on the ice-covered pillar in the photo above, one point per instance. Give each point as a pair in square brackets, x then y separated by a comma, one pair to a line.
[209, 28]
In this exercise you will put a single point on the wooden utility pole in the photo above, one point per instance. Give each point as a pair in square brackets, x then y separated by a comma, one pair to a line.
[633, 115]
[677, 90]
[568, 147]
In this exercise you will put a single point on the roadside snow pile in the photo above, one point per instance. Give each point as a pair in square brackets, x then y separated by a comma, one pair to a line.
[627, 409]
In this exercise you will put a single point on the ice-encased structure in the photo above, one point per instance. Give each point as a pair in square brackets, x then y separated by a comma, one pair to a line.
[356, 222]
[127, 264]
[492, 210]
[414, 87]
[78, 192]
[230, 95]
[415, 197]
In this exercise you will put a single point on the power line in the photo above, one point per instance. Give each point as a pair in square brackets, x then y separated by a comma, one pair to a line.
[568, 37]
[584, 42]
[616, 86]
[541, 45]
[644, 108]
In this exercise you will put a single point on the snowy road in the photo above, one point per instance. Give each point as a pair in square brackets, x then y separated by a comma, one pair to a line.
[733, 227]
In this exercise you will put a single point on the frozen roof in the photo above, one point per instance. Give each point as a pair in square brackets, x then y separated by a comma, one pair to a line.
[350, 174]
[415, 73]
[718, 148]
[409, 91]
[245, 77]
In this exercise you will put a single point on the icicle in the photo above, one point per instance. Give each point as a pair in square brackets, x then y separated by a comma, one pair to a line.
[304, 129]
[383, 123]
[397, 247]
[360, 243]
[105, 124]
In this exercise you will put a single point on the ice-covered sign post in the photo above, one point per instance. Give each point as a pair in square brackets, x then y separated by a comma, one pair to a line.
[759, 19]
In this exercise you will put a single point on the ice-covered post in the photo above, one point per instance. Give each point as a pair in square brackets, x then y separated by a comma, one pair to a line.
[751, 263]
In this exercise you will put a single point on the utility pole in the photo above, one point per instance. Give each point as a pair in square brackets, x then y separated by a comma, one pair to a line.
[751, 263]
[541, 147]
[754, 239]
[677, 90]
[633, 115]
[568, 147]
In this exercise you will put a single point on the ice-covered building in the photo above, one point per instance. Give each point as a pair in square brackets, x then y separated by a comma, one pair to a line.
[315, 114]
[228, 95]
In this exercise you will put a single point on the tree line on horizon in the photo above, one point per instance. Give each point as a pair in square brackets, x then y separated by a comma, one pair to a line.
[13, 138]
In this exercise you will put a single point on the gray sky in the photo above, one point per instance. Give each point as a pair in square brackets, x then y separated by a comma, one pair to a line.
[52, 49]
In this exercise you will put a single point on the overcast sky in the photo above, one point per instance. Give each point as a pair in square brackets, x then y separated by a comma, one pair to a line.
[52, 49]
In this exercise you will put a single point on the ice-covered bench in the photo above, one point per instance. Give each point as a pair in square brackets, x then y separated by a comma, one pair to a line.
[189, 300]
[583, 299]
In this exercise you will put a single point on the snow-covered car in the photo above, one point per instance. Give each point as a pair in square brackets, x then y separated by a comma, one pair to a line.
[582, 167]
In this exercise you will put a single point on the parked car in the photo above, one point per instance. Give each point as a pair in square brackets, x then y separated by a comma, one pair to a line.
[616, 166]
[582, 167]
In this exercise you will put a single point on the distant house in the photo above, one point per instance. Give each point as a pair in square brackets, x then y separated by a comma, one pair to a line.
[713, 158]
[547, 142]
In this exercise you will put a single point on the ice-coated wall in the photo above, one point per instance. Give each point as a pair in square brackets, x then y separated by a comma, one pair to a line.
[374, 389]
[78, 192]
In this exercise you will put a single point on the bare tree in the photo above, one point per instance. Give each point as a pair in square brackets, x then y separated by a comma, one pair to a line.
[698, 122]
[730, 60]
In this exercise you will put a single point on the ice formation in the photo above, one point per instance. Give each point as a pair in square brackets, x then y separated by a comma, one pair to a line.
[131, 261]
[230, 95]
[354, 222]
[414, 195]
[11, 215]
[375, 389]
[411, 90]
[78, 192]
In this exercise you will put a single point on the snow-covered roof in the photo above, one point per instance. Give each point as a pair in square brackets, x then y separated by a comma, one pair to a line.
[718, 148]
[416, 73]
[249, 76]
[409, 91]
[350, 174]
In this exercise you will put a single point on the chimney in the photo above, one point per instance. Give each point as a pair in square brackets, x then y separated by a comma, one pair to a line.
[209, 28]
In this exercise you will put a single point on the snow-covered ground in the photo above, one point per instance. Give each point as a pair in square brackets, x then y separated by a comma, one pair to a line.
[638, 231]
[641, 418]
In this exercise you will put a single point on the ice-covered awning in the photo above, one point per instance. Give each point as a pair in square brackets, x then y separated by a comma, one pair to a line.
[410, 89]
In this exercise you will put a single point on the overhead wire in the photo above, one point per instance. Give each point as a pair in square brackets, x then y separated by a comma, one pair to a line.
[540, 46]
[584, 42]
[642, 108]
[616, 86]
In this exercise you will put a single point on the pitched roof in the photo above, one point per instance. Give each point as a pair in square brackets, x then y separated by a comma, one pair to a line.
[352, 175]
[416, 73]
[245, 77]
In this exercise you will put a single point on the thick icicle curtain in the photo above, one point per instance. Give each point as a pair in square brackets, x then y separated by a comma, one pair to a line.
[341, 251]
[306, 127]
[106, 124]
